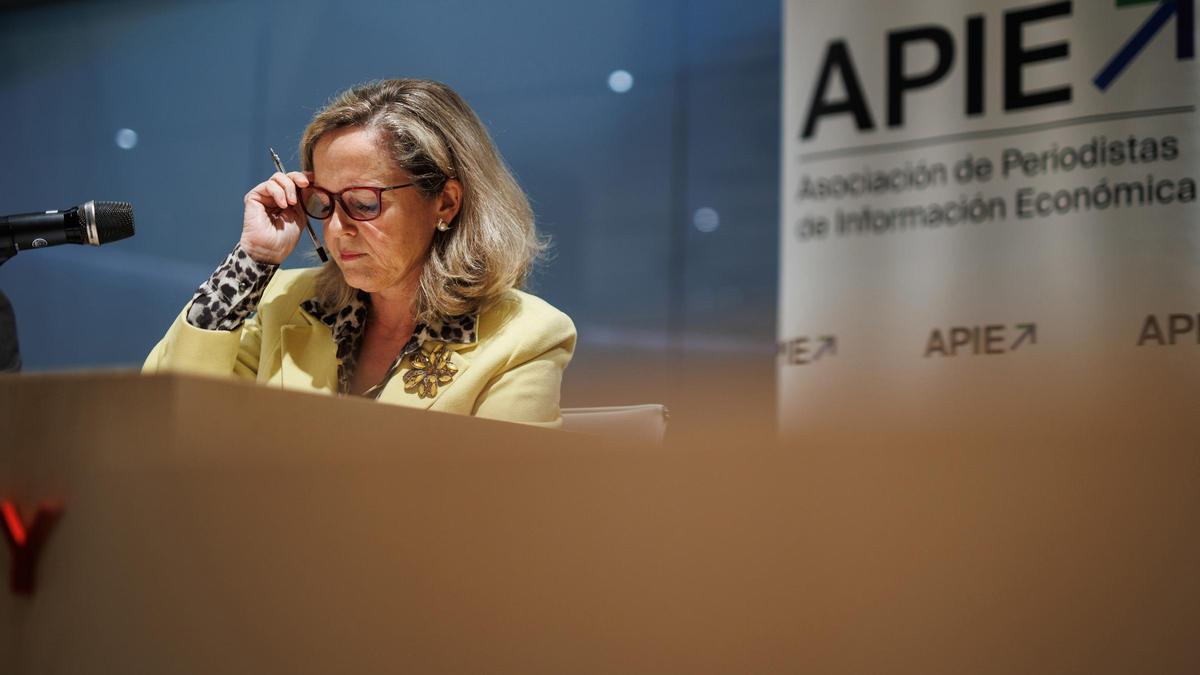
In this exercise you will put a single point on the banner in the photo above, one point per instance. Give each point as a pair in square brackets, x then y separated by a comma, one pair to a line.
[988, 214]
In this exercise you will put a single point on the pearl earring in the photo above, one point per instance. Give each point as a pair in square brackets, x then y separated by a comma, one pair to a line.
[442, 225]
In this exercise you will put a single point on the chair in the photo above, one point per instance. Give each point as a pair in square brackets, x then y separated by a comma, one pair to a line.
[645, 423]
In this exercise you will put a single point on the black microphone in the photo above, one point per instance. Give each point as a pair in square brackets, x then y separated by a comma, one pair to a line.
[92, 223]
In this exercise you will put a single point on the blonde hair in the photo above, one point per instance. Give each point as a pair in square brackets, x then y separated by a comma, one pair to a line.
[434, 135]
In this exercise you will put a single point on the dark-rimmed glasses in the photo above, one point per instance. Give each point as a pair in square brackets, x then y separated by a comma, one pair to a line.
[360, 202]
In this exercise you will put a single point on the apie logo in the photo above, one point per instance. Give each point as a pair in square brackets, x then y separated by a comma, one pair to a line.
[1016, 55]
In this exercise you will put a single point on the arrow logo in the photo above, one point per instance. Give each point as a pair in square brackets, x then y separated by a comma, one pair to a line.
[26, 542]
[1028, 331]
[828, 345]
[1185, 37]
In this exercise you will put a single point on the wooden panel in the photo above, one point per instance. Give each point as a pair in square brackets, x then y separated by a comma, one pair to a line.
[216, 527]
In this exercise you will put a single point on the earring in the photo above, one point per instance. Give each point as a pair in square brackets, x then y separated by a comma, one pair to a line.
[442, 225]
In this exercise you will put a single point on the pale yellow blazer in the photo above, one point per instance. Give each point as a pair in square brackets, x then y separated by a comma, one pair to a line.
[513, 371]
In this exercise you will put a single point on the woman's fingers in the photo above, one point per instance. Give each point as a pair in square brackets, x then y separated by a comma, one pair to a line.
[272, 220]
[277, 192]
[287, 182]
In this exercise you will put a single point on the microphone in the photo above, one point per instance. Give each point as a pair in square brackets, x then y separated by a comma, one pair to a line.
[92, 223]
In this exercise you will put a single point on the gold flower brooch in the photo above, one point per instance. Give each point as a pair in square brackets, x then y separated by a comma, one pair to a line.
[430, 368]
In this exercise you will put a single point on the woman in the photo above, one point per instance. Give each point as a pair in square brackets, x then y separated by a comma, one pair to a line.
[429, 236]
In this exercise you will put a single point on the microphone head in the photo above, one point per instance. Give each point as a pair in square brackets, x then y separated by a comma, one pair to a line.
[113, 221]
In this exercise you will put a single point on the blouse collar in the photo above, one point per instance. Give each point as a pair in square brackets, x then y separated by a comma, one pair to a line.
[348, 322]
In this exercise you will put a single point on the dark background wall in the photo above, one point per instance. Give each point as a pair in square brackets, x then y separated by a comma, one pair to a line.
[617, 179]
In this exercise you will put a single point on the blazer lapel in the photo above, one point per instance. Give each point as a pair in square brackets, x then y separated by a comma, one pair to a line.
[309, 349]
[308, 356]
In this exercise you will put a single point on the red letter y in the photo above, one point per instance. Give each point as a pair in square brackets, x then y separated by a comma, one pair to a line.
[26, 542]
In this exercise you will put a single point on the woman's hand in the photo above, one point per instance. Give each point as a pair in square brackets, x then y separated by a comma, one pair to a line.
[273, 220]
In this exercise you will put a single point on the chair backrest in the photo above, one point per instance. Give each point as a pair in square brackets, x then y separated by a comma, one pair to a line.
[645, 423]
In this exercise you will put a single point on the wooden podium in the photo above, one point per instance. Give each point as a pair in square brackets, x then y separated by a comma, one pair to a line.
[217, 527]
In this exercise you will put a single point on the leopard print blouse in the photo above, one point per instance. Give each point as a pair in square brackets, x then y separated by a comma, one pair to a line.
[231, 296]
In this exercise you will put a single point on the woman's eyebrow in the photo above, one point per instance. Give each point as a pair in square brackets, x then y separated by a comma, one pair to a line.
[356, 184]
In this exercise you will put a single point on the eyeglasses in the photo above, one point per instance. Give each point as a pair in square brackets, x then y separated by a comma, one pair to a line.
[359, 202]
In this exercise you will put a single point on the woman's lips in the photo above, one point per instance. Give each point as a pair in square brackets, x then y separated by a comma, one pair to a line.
[347, 257]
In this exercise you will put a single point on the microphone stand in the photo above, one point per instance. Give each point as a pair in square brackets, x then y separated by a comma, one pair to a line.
[10, 351]
[8, 248]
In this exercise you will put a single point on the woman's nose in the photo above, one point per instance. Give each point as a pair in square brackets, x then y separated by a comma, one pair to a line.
[339, 222]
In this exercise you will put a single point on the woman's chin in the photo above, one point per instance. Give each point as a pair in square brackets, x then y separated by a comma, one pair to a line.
[376, 279]
[358, 280]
